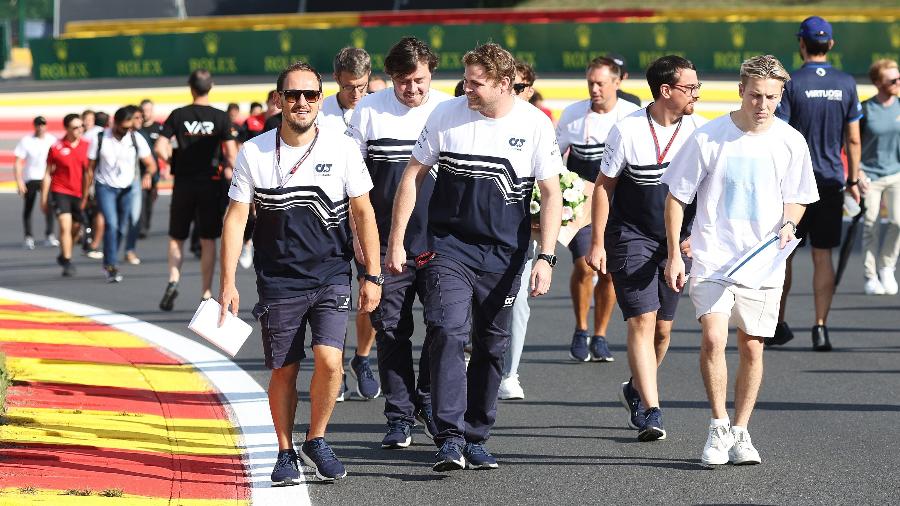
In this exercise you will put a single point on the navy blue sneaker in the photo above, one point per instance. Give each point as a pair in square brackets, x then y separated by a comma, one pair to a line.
[631, 399]
[578, 351]
[367, 386]
[449, 458]
[600, 350]
[653, 428]
[286, 472]
[318, 455]
[423, 416]
[478, 457]
[399, 435]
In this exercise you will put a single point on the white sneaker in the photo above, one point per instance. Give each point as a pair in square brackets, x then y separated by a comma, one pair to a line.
[888, 281]
[510, 388]
[51, 241]
[29, 242]
[718, 444]
[873, 287]
[742, 451]
[246, 258]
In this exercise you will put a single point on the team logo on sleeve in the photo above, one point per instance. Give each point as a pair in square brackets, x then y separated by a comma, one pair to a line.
[516, 143]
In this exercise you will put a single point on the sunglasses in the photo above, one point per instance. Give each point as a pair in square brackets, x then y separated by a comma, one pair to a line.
[520, 87]
[292, 96]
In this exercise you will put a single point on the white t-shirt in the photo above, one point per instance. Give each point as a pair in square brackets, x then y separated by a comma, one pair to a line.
[741, 182]
[117, 163]
[479, 210]
[34, 151]
[333, 114]
[584, 133]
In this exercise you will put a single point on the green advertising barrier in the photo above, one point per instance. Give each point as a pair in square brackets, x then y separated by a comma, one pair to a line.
[715, 48]
[4, 42]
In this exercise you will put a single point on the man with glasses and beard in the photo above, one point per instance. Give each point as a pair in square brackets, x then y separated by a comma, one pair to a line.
[305, 181]
[629, 236]
[386, 125]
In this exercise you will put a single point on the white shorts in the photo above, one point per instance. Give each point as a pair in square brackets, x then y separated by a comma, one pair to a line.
[755, 311]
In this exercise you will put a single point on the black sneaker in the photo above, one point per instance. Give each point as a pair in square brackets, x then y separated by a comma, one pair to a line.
[478, 457]
[631, 399]
[600, 350]
[318, 455]
[68, 269]
[167, 303]
[286, 471]
[782, 335]
[449, 458]
[424, 416]
[578, 350]
[399, 435]
[367, 386]
[820, 341]
[653, 428]
[112, 274]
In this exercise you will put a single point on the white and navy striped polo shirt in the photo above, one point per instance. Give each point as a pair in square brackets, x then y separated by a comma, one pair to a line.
[302, 236]
[386, 130]
[583, 132]
[479, 210]
[638, 206]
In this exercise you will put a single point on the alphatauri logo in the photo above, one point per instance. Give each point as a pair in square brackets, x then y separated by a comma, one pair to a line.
[323, 168]
[516, 143]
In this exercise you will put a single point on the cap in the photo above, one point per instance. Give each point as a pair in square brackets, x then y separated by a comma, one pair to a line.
[815, 28]
[40, 120]
[619, 59]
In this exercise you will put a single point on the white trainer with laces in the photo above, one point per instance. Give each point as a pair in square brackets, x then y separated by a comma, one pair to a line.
[888, 281]
[873, 286]
[742, 452]
[718, 444]
[510, 388]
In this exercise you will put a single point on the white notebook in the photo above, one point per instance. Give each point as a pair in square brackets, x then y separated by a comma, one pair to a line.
[752, 269]
[229, 337]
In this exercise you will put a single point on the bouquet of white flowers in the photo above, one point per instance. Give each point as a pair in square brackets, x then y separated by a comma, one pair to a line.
[573, 196]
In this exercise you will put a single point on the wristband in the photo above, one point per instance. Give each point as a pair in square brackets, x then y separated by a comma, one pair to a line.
[792, 224]
[852, 183]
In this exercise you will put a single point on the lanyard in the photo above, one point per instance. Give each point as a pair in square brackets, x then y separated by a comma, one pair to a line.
[661, 157]
[296, 165]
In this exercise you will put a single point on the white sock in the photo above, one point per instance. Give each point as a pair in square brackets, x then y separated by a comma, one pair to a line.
[738, 428]
[719, 422]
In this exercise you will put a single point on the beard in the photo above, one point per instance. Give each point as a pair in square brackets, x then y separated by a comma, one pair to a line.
[688, 109]
[299, 127]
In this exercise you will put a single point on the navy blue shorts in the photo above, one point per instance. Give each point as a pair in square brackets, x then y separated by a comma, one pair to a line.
[284, 321]
[638, 274]
[580, 245]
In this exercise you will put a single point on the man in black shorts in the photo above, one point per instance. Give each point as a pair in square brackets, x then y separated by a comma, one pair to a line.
[205, 141]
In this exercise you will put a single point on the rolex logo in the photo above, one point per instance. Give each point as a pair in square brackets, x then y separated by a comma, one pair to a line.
[583, 33]
[894, 34]
[211, 43]
[738, 35]
[510, 36]
[660, 35]
[358, 38]
[61, 49]
[284, 41]
[137, 47]
[436, 37]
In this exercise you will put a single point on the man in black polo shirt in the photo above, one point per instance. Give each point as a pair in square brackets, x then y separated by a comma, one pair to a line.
[205, 141]
[821, 103]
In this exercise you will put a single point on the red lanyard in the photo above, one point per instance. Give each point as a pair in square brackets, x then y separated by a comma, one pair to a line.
[661, 157]
[296, 165]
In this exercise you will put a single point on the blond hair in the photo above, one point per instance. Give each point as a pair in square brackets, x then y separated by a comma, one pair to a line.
[764, 67]
[497, 62]
[879, 66]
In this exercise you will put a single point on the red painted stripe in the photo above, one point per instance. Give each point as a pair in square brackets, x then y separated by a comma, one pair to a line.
[135, 472]
[469, 16]
[91, 354]
[7, 158]
[76, 326]
[200, 405]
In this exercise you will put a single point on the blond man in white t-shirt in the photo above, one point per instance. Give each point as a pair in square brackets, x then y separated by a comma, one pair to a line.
[734, 166]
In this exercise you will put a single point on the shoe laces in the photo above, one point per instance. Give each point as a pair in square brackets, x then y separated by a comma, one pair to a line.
[322, 450]
[742, 438]
[477, 449]
[397, 426]
[286, 459]
[364, 369]
[449, 447]
[719, 436]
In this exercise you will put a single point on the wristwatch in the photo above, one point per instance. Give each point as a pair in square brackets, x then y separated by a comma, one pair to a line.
[378, 280]
[791, 223]
[551, 259]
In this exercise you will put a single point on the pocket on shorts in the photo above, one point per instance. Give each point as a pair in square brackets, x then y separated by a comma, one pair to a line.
[261, 314]
[434, 307]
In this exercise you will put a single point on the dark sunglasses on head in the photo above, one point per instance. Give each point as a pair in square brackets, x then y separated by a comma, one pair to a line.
[292, 96]
[520, 87]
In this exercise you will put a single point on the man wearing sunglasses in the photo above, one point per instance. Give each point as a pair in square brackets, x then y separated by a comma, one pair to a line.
[386, 125]
[205, 141]
[821, 103]
[62, 187]
[352, 67]
[489, 150]
[305, 181]
[629, 236]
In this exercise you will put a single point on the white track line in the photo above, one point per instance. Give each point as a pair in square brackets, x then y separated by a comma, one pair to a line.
[245, 401]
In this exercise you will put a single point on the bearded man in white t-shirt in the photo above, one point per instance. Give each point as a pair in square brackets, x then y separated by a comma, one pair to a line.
[734, 166]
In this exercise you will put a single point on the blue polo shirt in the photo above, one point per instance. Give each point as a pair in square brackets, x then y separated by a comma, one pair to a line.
[819, 101]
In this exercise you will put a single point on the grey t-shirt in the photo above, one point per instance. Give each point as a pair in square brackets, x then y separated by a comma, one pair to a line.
[880, 130]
